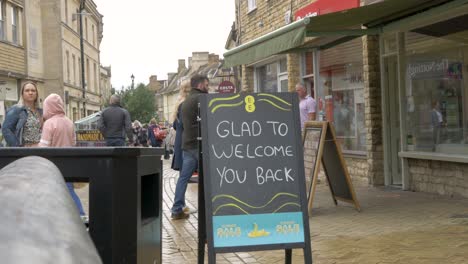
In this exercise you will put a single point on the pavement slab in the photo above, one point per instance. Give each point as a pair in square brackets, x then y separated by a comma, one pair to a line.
[393, 226]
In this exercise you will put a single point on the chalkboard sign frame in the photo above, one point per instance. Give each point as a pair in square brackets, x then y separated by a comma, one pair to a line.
[212, 250]
[327, 140]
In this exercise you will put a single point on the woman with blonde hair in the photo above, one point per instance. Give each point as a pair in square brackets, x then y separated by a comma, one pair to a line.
[23, 121]
[185, 88]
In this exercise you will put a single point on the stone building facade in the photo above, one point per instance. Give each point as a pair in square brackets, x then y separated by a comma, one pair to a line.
[412, 62]
[204, 63]
[40, 42]
[13, 63]
[255, 19]
[105, 84]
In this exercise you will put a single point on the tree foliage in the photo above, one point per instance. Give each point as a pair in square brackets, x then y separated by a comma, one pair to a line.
[139, 102]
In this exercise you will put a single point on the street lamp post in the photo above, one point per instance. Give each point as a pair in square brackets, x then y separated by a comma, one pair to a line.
[83, 81]
[133, 79]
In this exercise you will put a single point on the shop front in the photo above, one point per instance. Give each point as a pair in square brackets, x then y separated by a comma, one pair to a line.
[390, 76]
[8, 95]
[425, 103]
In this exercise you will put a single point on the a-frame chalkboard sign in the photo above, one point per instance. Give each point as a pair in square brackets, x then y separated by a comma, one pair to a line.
[253, 169]
[320, 144]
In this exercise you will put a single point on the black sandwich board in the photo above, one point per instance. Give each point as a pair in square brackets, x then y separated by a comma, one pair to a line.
[320, 142]
[253, 170]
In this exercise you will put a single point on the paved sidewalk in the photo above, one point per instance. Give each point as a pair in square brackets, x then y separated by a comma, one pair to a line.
[393, 227]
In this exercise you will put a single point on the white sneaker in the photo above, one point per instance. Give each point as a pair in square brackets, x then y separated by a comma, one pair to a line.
[189, 210]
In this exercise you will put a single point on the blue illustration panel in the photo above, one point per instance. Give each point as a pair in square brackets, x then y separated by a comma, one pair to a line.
[258, 229]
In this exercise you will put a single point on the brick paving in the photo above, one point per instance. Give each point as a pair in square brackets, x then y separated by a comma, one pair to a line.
[392, 227]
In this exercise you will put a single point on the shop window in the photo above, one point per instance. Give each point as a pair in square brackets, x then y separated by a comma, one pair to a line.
[343, 105]
[308, 73]
[436, 112]
[2, 20]
[252, 4]
[309, 63]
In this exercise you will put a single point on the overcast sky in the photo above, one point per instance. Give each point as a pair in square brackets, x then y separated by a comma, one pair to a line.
[147, 37]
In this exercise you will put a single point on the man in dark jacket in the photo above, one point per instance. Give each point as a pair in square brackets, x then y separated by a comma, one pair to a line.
[114, 123]
[189, 143]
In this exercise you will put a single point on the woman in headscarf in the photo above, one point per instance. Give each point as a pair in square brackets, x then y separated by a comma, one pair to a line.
[23, 121]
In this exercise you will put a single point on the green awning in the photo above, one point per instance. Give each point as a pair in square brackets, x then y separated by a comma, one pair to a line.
[285, 38]
[325, 31]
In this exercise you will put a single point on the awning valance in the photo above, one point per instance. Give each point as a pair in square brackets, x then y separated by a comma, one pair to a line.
[325, 31]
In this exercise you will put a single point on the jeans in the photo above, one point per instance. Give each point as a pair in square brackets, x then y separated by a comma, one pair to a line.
[75, 197]
[189, 165]
[115, 142]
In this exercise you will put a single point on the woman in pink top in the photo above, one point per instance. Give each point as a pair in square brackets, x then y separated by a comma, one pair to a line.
[58, 131]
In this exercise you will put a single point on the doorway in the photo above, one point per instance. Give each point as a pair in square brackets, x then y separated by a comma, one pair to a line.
[392, 146]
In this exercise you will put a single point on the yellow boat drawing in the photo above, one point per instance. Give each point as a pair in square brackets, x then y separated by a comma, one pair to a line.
[258, 233]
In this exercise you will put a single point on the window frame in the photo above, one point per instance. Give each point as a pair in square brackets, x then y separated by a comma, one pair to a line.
[14, 24]
[280, 76]
[2, 20]
[251, 5]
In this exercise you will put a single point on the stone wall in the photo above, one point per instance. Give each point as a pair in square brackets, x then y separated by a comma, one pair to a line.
[441, 177]
[267, 17]
[373, 110]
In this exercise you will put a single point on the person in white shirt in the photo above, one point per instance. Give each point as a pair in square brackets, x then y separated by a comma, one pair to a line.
[307, 104]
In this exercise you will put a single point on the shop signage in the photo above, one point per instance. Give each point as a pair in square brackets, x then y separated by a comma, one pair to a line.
[325, 150]
[89, 135]
[226, 87]
[322, 7]
[255, 195]
[435, 69]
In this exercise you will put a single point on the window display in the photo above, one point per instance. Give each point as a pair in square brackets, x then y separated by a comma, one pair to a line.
[343, 89]
[435, 99]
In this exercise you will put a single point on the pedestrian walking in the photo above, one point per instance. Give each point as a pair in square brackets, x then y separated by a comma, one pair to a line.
[136, 128]
[59, 131]
[155, 134]
[189, 112]
[184, 90]
[23, 121]
[115, 123]
[306, 105]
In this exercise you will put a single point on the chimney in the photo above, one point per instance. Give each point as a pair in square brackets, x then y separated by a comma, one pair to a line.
[181, 66]
[190, 62]
[213, 58]
[153, 83]
[170, 76]
[199, 59]
[153, 78]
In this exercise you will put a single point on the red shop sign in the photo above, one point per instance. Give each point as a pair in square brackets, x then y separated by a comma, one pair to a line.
[226, 87]
[322, 7]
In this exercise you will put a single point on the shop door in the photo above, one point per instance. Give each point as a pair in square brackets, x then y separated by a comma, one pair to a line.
[393, 121]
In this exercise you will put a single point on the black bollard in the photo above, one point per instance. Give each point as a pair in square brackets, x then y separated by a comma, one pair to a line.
[166, 152]
[39, 222]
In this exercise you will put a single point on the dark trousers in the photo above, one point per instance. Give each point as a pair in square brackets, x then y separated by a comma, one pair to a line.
[115, 142]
